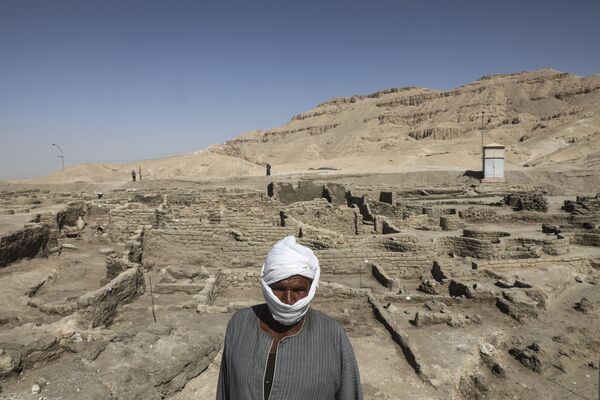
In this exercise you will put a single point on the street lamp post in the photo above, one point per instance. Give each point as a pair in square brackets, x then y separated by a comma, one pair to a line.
[61, 156]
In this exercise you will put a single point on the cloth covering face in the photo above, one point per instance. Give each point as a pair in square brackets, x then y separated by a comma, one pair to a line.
[285, 259]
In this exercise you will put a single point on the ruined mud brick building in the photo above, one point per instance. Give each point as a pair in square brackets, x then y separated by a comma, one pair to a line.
[442, 293]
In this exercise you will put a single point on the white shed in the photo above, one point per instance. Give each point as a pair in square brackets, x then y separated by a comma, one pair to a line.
[493, 162]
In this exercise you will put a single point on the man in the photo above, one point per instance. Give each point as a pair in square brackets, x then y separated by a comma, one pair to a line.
[283, 350]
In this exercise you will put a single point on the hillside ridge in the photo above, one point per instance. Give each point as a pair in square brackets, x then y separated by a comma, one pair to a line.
[546, 118]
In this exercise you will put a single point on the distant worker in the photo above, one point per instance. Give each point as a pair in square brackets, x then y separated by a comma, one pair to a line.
[268, 166]
[133, 175]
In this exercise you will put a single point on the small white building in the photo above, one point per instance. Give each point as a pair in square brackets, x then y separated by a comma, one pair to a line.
[493, 163]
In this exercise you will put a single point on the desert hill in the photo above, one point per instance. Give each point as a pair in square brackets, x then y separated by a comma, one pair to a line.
[546, 118]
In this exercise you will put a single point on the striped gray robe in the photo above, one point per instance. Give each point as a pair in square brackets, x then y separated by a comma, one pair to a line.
[317, 363]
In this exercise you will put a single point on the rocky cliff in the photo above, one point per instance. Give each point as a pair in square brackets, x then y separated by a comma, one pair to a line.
[543, 116]
[546, 118]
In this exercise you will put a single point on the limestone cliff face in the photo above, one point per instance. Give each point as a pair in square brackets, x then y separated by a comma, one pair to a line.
[545, 118]
[538, 115]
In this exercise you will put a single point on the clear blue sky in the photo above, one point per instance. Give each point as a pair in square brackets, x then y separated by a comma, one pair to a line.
[123, 80]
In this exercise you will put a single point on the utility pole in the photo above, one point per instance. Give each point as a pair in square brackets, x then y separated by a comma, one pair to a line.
[482, 115]
[61, 156]
[482, 153]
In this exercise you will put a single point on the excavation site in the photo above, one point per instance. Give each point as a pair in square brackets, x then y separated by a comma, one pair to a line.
[460, 290]
[316, 200]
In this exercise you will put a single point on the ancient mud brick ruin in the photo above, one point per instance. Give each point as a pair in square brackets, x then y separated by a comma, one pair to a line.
[527, 201]
[443, 293]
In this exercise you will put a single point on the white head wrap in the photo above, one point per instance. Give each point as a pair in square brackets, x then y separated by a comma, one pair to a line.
[285, 259]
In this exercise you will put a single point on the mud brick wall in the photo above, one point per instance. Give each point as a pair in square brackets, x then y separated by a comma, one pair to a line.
[384, 226]
[125, 221]
[581, 263]
[583, 205]
[196, 206]
[352, 261]
[556, 247]
[305, 191]
[250, 278]
[414, 209]
[98, 210]
[211, 249]
[338, 291]
[101, 305]
[210, 291]
[478, 214]
[585, 239]
[387, 210]
[535, 217]
[163, 216]
[438, 212]
[382, 276]
[521, 251]
[400, 243]
[24, 243]
[212, 245]
[486, 235]
[527, 201]
[419, 221]
[387, 197]
[149, 199]
[362, 203]
[451, 223]
[553, 247]
[335, 193]
[266, 229]
[231, 278]
[321, 214]
[70, 214]
[469, 247]
[50, 220]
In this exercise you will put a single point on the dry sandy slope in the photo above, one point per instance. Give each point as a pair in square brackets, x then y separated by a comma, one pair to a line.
[546, 118]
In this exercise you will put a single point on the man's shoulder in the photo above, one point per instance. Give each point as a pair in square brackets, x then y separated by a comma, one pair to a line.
[246, 314]
[325, 320]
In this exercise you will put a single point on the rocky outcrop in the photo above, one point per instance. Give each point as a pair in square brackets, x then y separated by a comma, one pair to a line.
[436, 133]
[310, 130]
